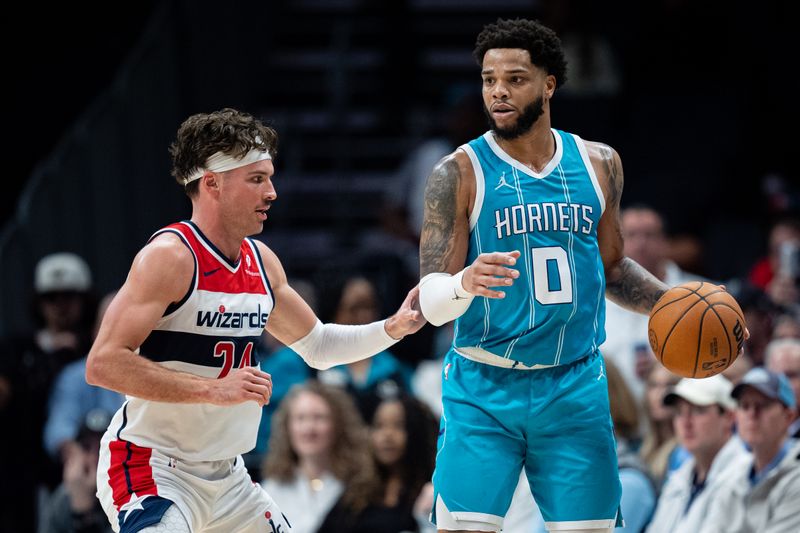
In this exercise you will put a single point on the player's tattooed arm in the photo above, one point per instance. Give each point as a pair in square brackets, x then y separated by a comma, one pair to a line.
[628, 284]
[443, 242]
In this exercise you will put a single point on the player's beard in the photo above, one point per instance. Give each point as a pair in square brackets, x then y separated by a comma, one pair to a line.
[524, 123]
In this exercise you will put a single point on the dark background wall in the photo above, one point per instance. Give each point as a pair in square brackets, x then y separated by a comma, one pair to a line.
[699, 105]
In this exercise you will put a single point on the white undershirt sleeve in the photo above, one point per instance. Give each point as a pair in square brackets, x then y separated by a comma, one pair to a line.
[442, 298]
[328, 345]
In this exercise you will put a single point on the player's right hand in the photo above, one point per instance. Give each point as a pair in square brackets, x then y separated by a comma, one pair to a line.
[491, 270]
[243, 385]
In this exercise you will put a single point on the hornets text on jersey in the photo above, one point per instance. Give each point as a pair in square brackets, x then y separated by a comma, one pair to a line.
[555, 311]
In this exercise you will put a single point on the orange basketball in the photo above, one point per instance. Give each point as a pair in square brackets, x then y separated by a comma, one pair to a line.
[696, 329]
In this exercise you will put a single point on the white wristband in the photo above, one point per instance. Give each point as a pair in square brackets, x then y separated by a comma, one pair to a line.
[442, 298]
[328, 345]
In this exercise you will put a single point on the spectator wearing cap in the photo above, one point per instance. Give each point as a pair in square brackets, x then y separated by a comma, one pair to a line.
[63, 310]
[763, 495]
[783, 357]
[704, 426]
[62, 306]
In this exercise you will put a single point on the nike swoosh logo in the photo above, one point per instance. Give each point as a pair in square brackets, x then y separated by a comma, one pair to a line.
[211, 271]
[456, 296]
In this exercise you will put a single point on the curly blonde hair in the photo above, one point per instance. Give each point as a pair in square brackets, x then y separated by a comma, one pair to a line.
[350, 457]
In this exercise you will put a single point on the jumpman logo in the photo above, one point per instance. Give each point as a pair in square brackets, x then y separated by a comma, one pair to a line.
[504, 183]
[602, 372]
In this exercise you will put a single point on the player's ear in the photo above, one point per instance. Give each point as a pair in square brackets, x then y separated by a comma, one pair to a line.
[549, 86]
[210, 180]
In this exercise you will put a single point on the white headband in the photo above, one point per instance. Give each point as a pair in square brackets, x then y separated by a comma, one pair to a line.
[222, 162]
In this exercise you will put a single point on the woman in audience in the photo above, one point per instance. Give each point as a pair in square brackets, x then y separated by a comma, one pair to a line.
[403, 437]
[353, 302]
[638, 489]
[660, 450]
[318, 454]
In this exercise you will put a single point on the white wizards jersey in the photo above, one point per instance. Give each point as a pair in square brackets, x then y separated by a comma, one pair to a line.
[214, 329]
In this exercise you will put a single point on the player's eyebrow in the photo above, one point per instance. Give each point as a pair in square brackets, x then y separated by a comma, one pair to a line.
[515, 70]
[258, 173]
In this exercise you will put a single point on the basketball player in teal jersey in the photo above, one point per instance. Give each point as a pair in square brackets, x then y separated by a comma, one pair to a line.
[520, 244]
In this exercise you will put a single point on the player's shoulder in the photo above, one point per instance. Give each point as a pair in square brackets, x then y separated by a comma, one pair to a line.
[163, 268]
[608, 168]
[606, 163]
[167, 245]
[454, 165]
[600, 153]
[166, 252]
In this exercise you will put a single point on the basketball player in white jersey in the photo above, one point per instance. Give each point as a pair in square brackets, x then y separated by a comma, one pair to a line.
[180, 340]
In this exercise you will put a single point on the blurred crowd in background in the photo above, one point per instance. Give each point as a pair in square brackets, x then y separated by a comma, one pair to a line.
[693, 97]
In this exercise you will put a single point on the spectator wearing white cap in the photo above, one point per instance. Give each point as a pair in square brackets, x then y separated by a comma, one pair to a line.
[704, 426]
[763, 495]
[63, 310]
[62, 282]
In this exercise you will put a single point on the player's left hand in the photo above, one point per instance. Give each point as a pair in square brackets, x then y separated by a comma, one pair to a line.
[408, 319]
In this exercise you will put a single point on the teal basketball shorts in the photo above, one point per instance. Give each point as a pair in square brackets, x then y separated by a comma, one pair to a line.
[553, 422]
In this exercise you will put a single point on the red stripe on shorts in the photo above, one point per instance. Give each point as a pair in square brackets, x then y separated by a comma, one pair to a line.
[130, 472]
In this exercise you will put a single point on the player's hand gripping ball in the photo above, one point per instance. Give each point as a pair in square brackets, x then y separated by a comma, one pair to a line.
[696, 329]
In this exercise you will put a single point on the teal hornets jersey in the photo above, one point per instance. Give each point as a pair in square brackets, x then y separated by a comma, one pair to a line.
[554, 313]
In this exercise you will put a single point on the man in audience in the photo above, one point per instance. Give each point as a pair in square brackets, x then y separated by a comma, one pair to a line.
[783, 357]
[73, 507]
[63, 309]
[626, 341]
[763, 494]
[704, 426]
[72, 399]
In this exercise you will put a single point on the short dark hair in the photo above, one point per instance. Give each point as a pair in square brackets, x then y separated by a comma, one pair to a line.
[227, 130]
[541, 42]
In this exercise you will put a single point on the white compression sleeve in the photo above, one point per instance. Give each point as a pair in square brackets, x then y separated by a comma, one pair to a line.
[442, 298]
[329, 345]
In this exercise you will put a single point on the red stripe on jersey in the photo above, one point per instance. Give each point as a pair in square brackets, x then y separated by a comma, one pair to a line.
[130, 472]
[215, 276]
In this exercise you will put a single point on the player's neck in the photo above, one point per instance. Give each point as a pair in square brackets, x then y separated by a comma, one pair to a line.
[215, 231]
[535, 148]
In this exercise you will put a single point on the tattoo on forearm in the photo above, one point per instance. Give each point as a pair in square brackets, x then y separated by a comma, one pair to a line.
[437, 239]
[632, 287]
